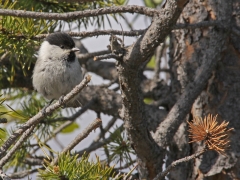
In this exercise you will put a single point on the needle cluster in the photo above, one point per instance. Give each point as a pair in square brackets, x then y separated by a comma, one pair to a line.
[213, 133]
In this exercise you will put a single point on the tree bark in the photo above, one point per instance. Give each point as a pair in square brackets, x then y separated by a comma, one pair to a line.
[220, 93]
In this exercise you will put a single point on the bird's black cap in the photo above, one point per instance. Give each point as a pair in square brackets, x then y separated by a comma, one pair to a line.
[61, 39]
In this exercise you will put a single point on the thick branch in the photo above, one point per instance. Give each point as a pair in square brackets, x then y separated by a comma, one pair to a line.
[133, 111]
[80, 14]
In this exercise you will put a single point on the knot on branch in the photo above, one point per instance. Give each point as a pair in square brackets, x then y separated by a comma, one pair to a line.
[116, 45]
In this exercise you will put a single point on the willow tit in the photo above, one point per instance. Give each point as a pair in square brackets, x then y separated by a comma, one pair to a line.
[57, 70]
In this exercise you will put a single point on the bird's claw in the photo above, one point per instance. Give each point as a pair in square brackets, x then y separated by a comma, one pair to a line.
[61, 102]
[43, 111]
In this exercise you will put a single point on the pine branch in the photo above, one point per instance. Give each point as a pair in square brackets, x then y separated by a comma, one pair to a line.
[80, 14]
[39, 116]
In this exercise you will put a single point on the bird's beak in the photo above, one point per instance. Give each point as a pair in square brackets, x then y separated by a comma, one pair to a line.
[75, 49]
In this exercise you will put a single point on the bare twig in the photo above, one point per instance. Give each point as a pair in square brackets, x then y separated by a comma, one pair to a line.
[95, 146]
[99, 33]
[105, 129]
[93, 54]
[129, 173]
[127, 165]
[106, 56]
[39, 116]
[22, 174]
[175, 163]
[80, 14]
[34, 161]
[95, 124]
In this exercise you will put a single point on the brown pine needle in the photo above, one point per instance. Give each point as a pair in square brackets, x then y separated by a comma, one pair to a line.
[214, 134]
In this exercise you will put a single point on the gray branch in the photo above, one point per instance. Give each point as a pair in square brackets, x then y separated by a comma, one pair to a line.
[99, 33]
[80, 14]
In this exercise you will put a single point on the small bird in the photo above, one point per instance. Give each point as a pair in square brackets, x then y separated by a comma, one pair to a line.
[57, 70]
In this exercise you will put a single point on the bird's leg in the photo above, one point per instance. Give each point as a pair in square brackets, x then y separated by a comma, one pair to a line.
[45, 107]
[61, 102]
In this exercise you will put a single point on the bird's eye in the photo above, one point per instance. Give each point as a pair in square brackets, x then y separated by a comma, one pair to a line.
[62, 46]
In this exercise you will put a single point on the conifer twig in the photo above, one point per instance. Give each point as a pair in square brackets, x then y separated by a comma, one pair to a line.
[39, 116]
